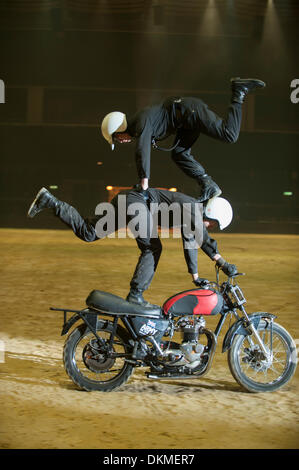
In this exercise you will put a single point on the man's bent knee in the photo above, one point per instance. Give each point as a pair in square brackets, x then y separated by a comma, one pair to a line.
[156, 245]
[230, 137]
[88, 234]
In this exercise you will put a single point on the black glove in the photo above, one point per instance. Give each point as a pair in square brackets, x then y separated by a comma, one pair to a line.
[228, 269]
[144, 192]
[200, 282]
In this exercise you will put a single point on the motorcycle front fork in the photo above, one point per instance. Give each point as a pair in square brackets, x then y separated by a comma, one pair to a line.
[267, 351]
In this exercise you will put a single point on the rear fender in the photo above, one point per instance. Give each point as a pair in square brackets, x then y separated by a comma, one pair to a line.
[68, 324]
[238, 328]
[91, 317]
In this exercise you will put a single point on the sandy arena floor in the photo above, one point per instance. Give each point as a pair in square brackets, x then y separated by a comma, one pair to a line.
[42, 408]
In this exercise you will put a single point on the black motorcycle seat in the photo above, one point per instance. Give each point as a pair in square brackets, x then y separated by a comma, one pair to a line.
[110, 303]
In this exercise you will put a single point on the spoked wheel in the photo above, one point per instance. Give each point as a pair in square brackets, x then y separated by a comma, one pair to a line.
[253, 370]
[90, 366]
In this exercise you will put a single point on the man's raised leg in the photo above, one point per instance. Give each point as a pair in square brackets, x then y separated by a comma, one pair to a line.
[82, 228]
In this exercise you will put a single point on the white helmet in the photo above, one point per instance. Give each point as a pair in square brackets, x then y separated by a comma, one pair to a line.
[219, 209]
[113, 122]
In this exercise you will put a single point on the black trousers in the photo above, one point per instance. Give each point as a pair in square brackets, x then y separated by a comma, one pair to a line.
[208, 123]
[85, 229]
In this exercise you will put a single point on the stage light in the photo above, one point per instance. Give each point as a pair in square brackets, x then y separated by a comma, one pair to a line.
[99, 163]
[173, 190]
[287, 193]
[53, 186]
[272, 32]
[211, 24]
[109, 188]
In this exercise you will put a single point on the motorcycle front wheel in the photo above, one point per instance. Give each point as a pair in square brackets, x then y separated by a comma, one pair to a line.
[250, 367]
[89, 366]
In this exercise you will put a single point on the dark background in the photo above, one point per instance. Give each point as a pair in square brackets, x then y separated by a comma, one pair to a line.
[65, 64]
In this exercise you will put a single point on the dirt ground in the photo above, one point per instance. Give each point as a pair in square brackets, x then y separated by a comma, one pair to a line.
[42, 408]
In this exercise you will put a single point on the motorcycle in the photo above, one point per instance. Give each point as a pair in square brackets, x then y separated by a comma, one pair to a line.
[173, 342]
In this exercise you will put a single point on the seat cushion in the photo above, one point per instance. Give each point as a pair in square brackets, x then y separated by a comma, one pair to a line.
[111, 303]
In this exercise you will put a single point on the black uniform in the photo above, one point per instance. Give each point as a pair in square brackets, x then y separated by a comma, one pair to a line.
[150, 247]
[187, 118]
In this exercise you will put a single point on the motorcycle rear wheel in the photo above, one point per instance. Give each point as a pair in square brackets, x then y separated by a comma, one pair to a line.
[98, 372]
[252, 371]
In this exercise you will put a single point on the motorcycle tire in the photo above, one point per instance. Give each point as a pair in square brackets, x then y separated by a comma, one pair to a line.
[94, 374]
[249, 367]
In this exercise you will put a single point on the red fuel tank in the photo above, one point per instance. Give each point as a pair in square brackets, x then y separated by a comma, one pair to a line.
[194, 302]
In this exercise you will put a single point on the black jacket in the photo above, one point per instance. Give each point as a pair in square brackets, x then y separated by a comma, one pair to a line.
[160, 121]
[208, 246]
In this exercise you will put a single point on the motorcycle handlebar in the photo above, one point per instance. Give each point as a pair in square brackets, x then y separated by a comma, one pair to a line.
[217, 268]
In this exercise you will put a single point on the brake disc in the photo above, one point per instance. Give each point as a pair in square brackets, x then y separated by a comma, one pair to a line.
[96, 361]
[256, 359]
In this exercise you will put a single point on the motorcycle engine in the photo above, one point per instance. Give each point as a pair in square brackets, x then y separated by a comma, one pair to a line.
[189, 352]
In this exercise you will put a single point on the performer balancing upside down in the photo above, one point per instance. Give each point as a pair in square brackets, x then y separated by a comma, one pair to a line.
[217, 212]
[186, 118]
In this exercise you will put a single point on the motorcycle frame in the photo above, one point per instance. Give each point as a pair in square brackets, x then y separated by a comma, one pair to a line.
[91, 318]
[245, 325]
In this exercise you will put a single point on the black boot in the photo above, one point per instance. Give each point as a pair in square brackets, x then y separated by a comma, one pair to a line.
[242, 86]
[44, 200]
[209, 188]
[135, 296]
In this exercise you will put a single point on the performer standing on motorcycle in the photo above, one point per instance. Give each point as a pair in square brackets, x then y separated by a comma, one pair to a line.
[217, 211]
[187, 118]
